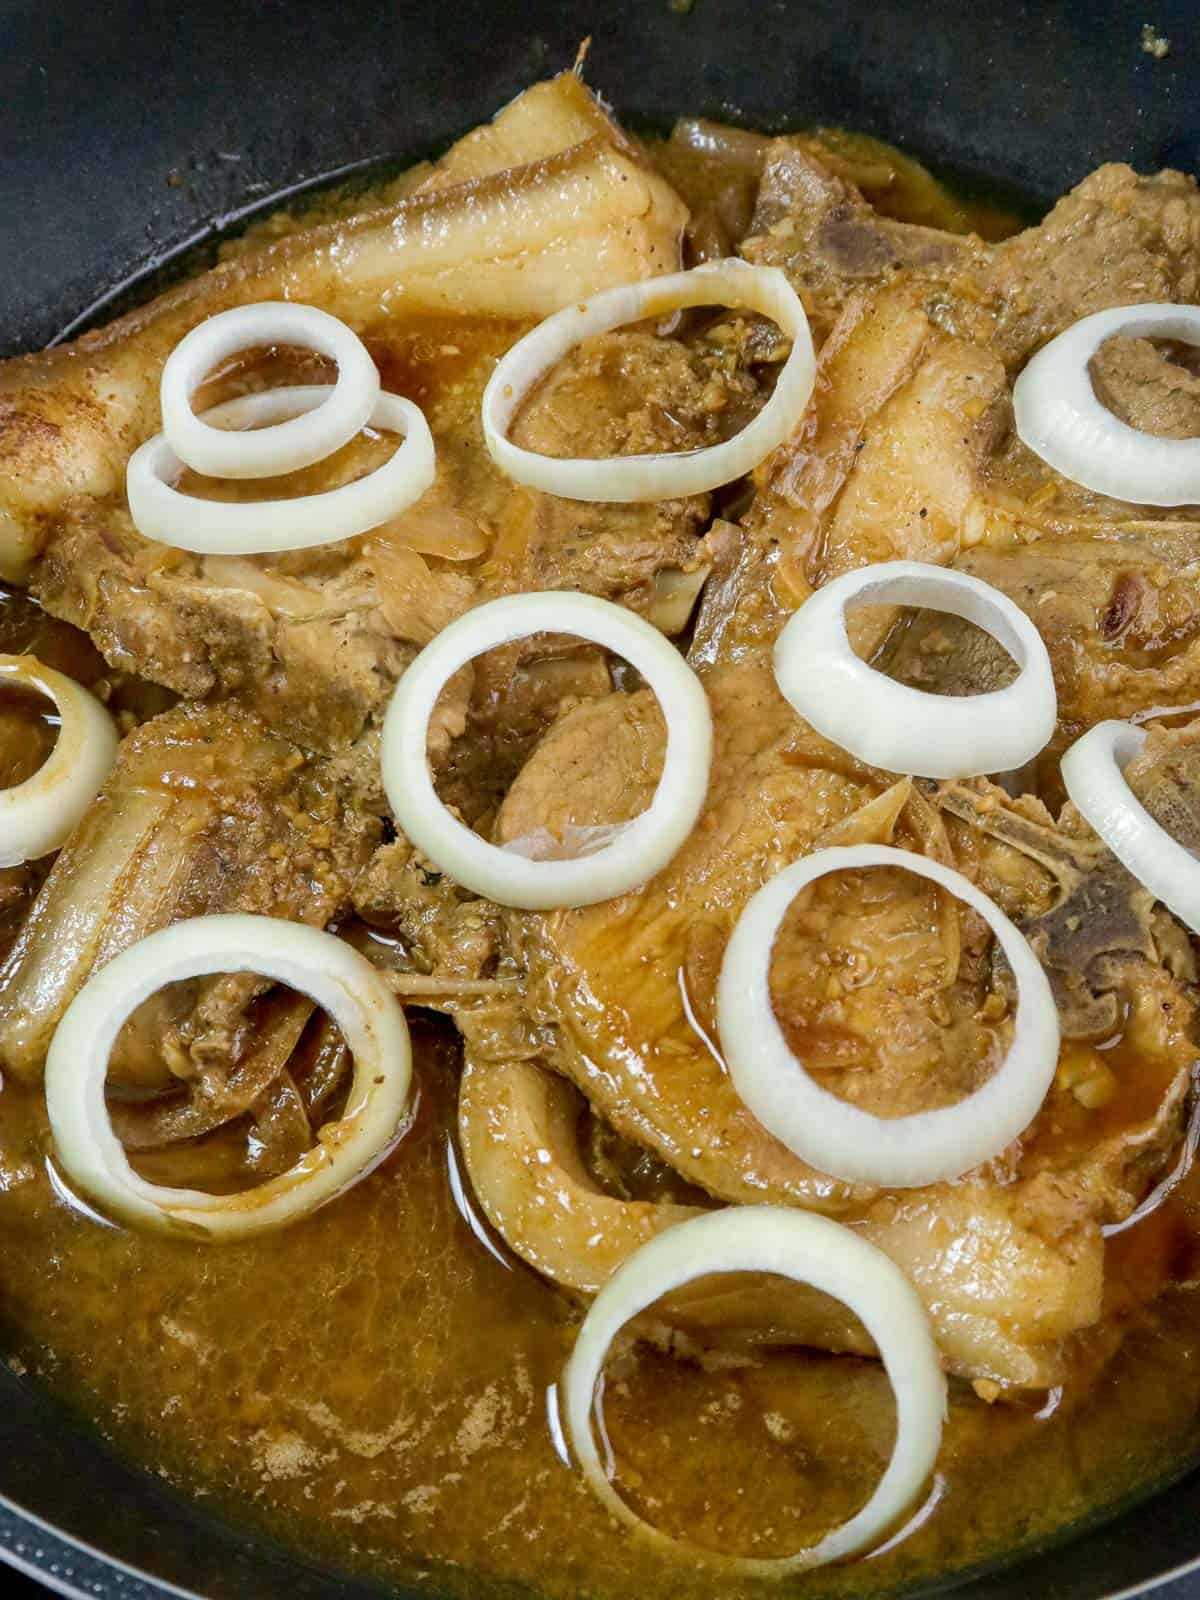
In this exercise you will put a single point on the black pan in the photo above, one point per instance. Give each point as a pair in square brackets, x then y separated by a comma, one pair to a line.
[131, 130]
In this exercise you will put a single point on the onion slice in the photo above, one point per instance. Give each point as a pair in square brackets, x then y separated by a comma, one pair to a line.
[841, 1139]
[731, 283]
[810, 1250]
[36, 816]
[907, 730]
[1061, 419]
[345, 408]
[317, 964]
[1093, 771]
[642, 847]
[260, 527]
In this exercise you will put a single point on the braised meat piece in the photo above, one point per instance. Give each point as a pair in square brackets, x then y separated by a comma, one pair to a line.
[831, 243]
[1118, 239]
[205, 811]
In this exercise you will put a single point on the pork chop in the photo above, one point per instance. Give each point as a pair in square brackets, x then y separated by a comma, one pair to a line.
[205, 811]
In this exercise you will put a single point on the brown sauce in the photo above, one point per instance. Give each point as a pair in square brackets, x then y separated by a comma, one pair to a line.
[375, 1386]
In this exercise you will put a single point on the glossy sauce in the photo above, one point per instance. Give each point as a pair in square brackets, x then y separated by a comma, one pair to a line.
[376, 1385]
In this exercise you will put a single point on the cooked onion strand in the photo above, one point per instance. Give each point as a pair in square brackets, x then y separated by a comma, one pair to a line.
[902, 729]
[842, 1139]
[642, 847]
[36, 816]
[345, 407]
[317, 964]
[661, 476]
[807, 1249]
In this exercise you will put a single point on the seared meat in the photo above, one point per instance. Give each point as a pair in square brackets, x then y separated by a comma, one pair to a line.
[622, 997]
[619, 979]
[205, 811]
[879, 414]
[622, 1004]
[315, 641]
[1118, 239]
[1008, 1275]
[909, 450]
[891, 460]
[832, 244]
[312, 641]
[1149, 388]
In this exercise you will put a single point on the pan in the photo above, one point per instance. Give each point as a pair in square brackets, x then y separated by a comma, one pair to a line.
[133, 133]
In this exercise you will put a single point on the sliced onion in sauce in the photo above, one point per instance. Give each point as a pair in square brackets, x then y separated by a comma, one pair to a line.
[842, 1139]
[807, 1249]
[1060, 417]
[642, 847]
[36, 816]
[907, 730]
[345, 406]
[258, 527]
[731, 283]
[317, 964]
[1093, 771]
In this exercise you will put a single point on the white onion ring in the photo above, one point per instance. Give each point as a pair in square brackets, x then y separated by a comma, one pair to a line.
[1060, 418]
[660, 476]
[907, 730]
[1093, 771]
[346, 405]
[317, 964]
[36, 816]
[642, 847]
[811, 1250]
[840, 1139]
[259, 527]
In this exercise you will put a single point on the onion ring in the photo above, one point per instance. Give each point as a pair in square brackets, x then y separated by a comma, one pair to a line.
[659, 476]
[643, 846]
[317, 964]
[259, 527]
[1093, 771]
[841, 1139]
[288, 446]
[36, 816]
[906, 730]
[1060, 418]
[811, 1250]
